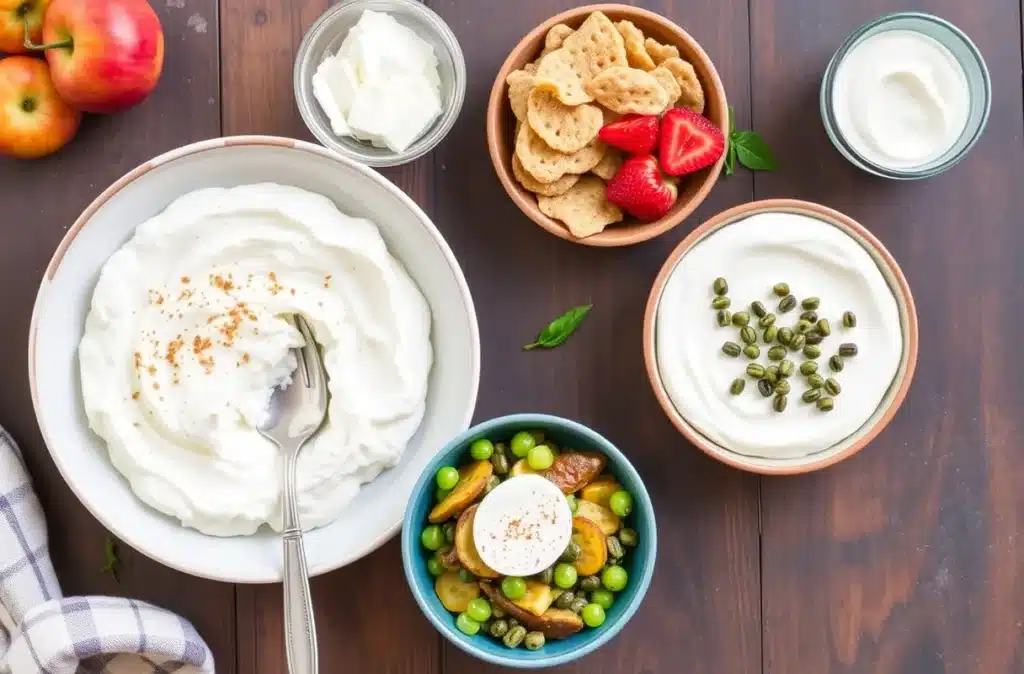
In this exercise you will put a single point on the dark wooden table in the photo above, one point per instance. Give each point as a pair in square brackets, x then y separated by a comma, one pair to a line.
[903, 560]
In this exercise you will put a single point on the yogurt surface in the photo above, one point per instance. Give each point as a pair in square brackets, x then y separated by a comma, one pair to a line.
[753, 254]
[188, 334]
[900, 99]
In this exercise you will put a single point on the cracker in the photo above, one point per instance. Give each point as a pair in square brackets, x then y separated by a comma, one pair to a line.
[668, 82]
[595, 46]
[555, 37]
[691, 92]
[558, 70]
[547, 165]
[560, 186]
[659, 52]
[520, 84]
[563, 127]
[609, 164]
[584, 208]
[636, 52]
[628, 90]
[531, 68]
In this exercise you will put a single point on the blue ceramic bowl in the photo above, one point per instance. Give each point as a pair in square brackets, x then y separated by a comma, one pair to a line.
[639, 563]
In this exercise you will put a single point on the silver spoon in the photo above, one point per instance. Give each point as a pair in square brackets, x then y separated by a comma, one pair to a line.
[294, 415]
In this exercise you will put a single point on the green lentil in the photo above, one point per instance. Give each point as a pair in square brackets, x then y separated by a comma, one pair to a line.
[737, 386]
[565, 600]
[740, 319]
[777, 353]
[835, 363]
[808, 367]
[577, 605]
[755, 370]
[767, 320]
[826, 404]
[814, 337]
[812, 351]
[811, 395]
[752, 351]
[785, 335]
[787, 304]
[815, 381]
[797, 342]
[811, 316]
[849, 319]
[779, 404]
[781, 289]
[803, 326]
[811, 303]
[721, 303]
[758, 309]
[848, 350]
[723, 317]
[782, 388]
[720, 286]
[764, 387]
[629, 538]
[824, 327]
[732, 349]
[832, 386]
[771, 374]
[748, 335]
[770, 333]
[786, 368]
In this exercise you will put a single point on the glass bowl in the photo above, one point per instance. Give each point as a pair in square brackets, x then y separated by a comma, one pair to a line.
[325, 37]
[966, 54]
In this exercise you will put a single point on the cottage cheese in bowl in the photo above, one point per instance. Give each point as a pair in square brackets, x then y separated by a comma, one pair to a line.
[187, 335]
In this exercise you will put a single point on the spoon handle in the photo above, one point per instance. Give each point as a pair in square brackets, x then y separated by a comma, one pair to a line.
[299, 626]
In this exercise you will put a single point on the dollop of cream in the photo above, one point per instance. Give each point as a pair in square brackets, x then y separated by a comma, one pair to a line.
[753, 254]
[188, 333]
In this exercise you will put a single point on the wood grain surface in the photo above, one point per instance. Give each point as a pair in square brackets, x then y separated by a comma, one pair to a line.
[903, 560]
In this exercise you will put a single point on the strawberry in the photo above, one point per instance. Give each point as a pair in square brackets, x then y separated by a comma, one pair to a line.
[639, 189]
[689, 142]
[636, 134]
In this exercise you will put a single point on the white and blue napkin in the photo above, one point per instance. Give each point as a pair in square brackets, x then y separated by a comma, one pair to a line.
[43, 632]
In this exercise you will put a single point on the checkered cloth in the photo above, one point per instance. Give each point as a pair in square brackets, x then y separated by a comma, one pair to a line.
[43, 632]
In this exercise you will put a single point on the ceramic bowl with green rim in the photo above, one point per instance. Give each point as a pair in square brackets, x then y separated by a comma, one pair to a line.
[638, 561]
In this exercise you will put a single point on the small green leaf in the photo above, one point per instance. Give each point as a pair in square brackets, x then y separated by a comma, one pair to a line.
[112, 562]
[753, 152]
[559, 330]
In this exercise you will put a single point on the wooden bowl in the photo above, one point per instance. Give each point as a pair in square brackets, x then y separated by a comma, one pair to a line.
[693, 188]
[890, 402]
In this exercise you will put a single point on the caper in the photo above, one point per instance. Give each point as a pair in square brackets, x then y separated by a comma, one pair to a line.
[811, 316]
[781, 289]
[721, 303]
[815, 381]
[765, 388]
[835, 363]
[752, 351]
[740, 319]
[783, 387]
[533, 641]
[500, 463]
[797, 342]
[499, 628]
[501, 448]
[732, 349]
[824, 327]
[811, 303]
[720, 286]
[803, 326]
[614, 545]
[758, 309]
[748, 335]
[591, 583]
[832, 386]
[848, 350]
[814, 337]
[737, 386]
[565, 600]
[811, 395]
[581, 594]
[808, 367]
[771, 374]
[787, 304]
[786, 368]
[849, 319]
[812, 351]
[826, 404]
[466, 576]
[770, 333]
[448, 529]
[514, 636]
[547, 576]
[777, 353]
[497, 612]
[779, 404]
[785, 334]
[485, 627]
[755, 370]
[629, 538]
[492, 483]
[723, 317]
[572, 552]
[512, 622]
[767, 320]
[578, 605]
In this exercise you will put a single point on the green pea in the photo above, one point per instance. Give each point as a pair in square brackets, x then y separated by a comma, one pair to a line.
[721, 303]
[513, 587]
[481, 449]
[434, 567]
[479, 609]
[447, 477]
[720, 286]
[758, 309]
[432, 538]
[565, 576]
[593, 615]
[467, 625]
[737, 386]
[740, 319]
[540, 458]
[614, 578]
[602, 598]
[751, 351]
[522, 443]
[499, 628]
[573, 503]
[534, 641]
[808, 367]
[514, 636]
[723, 317]
[621, 503]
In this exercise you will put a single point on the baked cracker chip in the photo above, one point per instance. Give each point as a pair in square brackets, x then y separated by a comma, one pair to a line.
[520, 84]
[609, 164]
[625, 90]
[659, 52]
[555, 37]
[692, 94]
[636, 52]
[668, 82]
[563, 127]
[584, 208]
[531, 68]
[557, 69]
[596, 45]
[547, 165]
[560, 186]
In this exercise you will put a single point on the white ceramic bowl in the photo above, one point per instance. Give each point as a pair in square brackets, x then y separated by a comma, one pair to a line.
[63, 301]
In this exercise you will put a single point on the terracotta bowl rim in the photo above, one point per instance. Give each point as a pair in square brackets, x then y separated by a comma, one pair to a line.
[610, 237]
[904, 375]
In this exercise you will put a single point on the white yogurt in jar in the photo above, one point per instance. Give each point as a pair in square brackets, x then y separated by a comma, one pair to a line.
[900, 99]
[815, 259]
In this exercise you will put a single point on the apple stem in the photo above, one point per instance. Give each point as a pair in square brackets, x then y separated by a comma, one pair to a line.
[41, 47]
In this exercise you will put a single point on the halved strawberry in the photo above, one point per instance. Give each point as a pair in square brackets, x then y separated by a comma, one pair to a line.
[639, 189]
[689, 142]
[636, 134]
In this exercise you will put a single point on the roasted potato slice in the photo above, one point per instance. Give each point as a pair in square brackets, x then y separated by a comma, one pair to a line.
[522, 467]
[538, 598]
[593, 552]
[604, 518]
[600, 490]
[473, 478]
[574, 470]
[465, 546]
[454, 593]
[554, 623]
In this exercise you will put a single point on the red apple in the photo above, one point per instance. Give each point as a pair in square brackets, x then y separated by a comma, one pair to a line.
[104, 55]
[34, 121]
[13, 15]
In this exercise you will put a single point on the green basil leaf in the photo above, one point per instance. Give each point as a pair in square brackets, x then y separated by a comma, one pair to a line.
[559, 330]
[753, 152]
